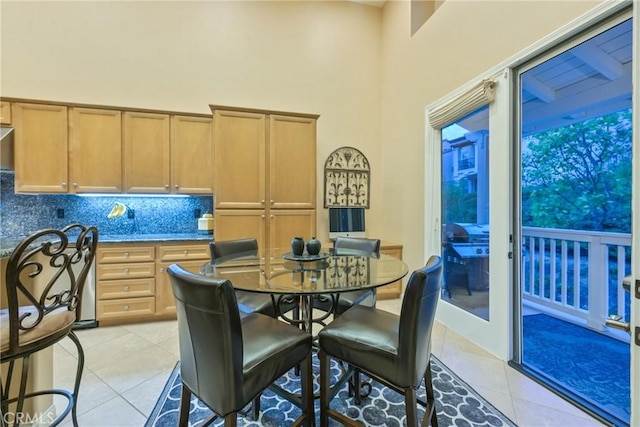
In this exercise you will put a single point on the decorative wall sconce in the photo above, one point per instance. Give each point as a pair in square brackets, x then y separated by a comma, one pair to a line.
[346, 178]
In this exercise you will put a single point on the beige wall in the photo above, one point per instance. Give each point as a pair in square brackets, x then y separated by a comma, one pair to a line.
[313, 57]
[461, 40]
[355, 65]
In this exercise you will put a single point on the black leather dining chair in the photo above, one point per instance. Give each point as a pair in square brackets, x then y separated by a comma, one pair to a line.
[394, 350]
[226, 359]
[249, 301]
[45, 279]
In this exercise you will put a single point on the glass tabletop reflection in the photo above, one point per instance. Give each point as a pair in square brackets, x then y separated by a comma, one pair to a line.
[278, 271]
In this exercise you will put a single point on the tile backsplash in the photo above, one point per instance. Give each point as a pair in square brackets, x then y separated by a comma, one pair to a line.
[22, 214]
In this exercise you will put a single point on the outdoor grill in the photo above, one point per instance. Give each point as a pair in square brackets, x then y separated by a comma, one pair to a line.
[466, 255]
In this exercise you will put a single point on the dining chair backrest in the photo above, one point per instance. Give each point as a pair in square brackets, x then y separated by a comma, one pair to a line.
[210, 336]
[227, 248]
[45, 279]
[417, 317]
[358, 244]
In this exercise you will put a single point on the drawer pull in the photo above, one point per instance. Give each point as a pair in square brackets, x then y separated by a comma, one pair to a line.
[126, 288]
[126, 271]
[126, 254]
[125, 308]
[186, 252]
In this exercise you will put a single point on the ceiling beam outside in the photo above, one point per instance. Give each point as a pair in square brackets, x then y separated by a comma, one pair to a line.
[538, 89]
[598, 59]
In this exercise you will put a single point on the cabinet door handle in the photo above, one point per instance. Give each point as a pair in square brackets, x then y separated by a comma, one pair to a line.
[262, 202]
[176, 186]
[64, 184]
[166, 186]
[271, 201]
[161, 270]
[75, 185]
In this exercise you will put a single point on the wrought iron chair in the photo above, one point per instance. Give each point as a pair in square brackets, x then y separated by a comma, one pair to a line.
[43, 295]
[394, 350]
[226, 359]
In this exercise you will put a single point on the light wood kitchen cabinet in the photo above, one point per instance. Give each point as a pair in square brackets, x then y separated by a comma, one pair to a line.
[5, 113]
[132, 283]
[146, 152]
[95, 151]
[292, 160]
[240, 159]
[285, 224]
[392, 290]
[125, 282]
[40, 148]
[265, 175]
[233, 224]
[191, 155]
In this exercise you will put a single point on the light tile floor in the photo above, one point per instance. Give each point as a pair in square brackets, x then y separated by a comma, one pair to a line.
[127, 366]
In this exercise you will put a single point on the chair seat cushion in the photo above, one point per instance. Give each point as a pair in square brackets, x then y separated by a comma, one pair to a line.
[365, 337]
[271, 347]
[60, 320]
[250, 302]
[365, 297]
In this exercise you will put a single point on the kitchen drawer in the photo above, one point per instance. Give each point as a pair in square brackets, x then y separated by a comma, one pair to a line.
[125, 254]
[112, 289]
[184, 252]
[124, 308]
[132, 270]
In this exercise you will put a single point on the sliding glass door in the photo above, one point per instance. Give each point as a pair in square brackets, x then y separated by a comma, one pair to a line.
[575, 167]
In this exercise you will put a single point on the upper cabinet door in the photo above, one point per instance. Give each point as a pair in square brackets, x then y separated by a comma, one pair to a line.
[191, 155]
[292, 162]
[239, 158]
[40, 148]
[95, 150]
[146, 153]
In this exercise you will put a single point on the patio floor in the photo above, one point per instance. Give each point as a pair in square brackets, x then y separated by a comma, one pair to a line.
[593, 365]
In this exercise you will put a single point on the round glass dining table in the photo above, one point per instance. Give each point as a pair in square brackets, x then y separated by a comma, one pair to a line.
[289, 278]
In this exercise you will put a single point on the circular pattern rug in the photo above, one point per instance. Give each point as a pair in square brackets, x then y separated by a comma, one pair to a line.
[457, 404]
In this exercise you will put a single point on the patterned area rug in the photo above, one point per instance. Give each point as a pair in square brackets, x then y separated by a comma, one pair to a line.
[457, 404]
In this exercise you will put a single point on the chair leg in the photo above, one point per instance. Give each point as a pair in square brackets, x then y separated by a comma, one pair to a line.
[231, 420]
[324, 388]
[430, 410]
[255, 408]
[411, 406]
[185, 406]
[79, 369]
[23, 387]
[307, 391]
[357, 392]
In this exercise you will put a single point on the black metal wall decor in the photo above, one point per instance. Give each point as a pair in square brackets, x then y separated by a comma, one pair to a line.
[346, 178]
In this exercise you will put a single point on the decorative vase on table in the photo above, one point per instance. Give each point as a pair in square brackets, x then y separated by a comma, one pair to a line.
[314, 246]
[297, 246]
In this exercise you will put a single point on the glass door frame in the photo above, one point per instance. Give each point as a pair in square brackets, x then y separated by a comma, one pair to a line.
[596, 25]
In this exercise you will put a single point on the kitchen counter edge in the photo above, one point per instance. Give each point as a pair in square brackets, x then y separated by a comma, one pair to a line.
[7, 245]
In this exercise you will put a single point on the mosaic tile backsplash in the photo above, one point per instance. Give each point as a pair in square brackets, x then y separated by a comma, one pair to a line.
[22, 214]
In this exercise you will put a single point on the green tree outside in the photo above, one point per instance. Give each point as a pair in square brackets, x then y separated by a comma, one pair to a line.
[578, 177]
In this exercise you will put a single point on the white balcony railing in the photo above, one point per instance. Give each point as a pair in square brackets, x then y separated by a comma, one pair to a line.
[576, 274]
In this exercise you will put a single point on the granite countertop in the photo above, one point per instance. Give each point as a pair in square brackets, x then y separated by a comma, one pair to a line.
[8, 244]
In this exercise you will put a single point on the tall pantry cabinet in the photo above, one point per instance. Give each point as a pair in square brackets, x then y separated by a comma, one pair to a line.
[265, 175]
